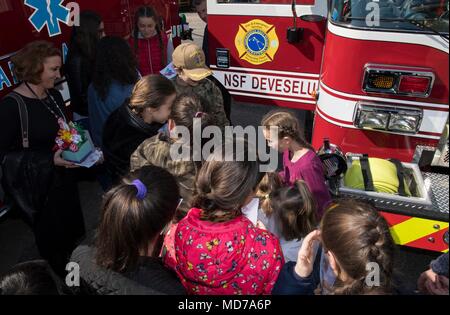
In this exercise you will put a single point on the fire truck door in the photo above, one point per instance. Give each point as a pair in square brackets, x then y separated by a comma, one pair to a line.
[262, 53]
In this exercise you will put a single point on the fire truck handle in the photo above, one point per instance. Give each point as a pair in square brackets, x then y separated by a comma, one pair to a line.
[294, 13]
[294, 33]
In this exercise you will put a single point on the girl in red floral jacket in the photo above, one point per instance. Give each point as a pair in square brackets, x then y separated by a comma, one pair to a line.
[148, 41]
[218, 250]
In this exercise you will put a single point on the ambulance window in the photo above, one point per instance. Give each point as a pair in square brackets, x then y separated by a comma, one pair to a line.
[298, 2]
[392, 14]
[5, 6]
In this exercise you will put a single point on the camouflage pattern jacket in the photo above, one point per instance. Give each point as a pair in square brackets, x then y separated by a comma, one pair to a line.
[212, 94]
[156, 151]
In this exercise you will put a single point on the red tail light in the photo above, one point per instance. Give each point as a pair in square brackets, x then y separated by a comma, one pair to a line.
[414, 85]
[398, 80]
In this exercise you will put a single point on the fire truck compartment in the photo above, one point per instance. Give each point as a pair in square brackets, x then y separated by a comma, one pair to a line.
[429, 195]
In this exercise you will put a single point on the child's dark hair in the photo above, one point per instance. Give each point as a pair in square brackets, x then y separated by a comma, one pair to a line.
[149, 12]
[31, 278]
[130, 221]
[185, 109]
[269, 184]
[357, 235]
[188, 106]
[84, 41]
[85, 37]
[295, 210]
[224, 183]
[288, 126]
[115, 62]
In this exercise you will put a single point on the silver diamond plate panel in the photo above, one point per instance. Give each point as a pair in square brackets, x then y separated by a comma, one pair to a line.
[438, 187]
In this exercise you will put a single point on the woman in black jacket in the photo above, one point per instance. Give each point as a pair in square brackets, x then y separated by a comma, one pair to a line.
[55, 217]
[137, 119]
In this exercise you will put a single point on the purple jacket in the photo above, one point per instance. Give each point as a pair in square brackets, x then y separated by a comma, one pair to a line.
[308, 168]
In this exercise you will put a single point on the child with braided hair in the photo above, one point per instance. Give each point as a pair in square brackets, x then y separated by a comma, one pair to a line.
[358, 247]
[300, 161]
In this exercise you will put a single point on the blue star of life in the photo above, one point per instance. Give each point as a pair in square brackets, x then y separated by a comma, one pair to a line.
[48, 13]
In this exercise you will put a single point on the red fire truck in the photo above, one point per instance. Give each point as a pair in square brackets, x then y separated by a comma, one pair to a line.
[374, 75]
[27, 20]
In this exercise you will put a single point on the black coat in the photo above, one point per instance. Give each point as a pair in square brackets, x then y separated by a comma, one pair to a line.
[78, 73]
[58, 225]
[122, 134]
[149, 278]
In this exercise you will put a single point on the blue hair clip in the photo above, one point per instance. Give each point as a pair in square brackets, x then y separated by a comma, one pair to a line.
[141, 189]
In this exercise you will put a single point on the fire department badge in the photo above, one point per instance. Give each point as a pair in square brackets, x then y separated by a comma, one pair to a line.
[256, 42]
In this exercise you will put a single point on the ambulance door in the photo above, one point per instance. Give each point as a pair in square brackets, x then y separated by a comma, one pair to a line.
[263, 54]
[15, 32]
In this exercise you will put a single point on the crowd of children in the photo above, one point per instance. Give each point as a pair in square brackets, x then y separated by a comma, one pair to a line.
[173, 226]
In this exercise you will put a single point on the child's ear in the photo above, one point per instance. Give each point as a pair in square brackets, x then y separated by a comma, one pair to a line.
[286, 140]
[333, 263]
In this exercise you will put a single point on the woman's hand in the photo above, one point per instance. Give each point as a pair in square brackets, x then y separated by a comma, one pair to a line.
[59, 161]
[306, 255]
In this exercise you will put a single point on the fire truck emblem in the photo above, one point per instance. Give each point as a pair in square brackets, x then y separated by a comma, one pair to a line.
[256, 42]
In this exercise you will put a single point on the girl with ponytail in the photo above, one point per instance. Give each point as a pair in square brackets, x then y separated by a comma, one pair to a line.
[149, 41]
[218, 250]
[290, 214]
[124, 258]
[359, 248]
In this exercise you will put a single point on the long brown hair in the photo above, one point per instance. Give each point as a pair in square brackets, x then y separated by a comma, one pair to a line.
[149, 12]
[150, 91]
[295, 210]
[223, 184]
[288, 126]
[128, 223]
[357, 235]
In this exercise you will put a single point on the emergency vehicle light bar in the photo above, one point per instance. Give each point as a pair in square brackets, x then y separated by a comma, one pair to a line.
[387, 118]
[416, 82]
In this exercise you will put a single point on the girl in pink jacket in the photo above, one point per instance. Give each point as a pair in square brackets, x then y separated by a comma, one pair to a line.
[218, 250]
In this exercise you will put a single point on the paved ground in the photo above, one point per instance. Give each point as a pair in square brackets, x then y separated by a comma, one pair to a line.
[198, 27]
[17, 242]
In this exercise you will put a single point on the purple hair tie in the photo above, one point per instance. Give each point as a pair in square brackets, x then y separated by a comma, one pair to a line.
[141, 189]
[198, 115]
